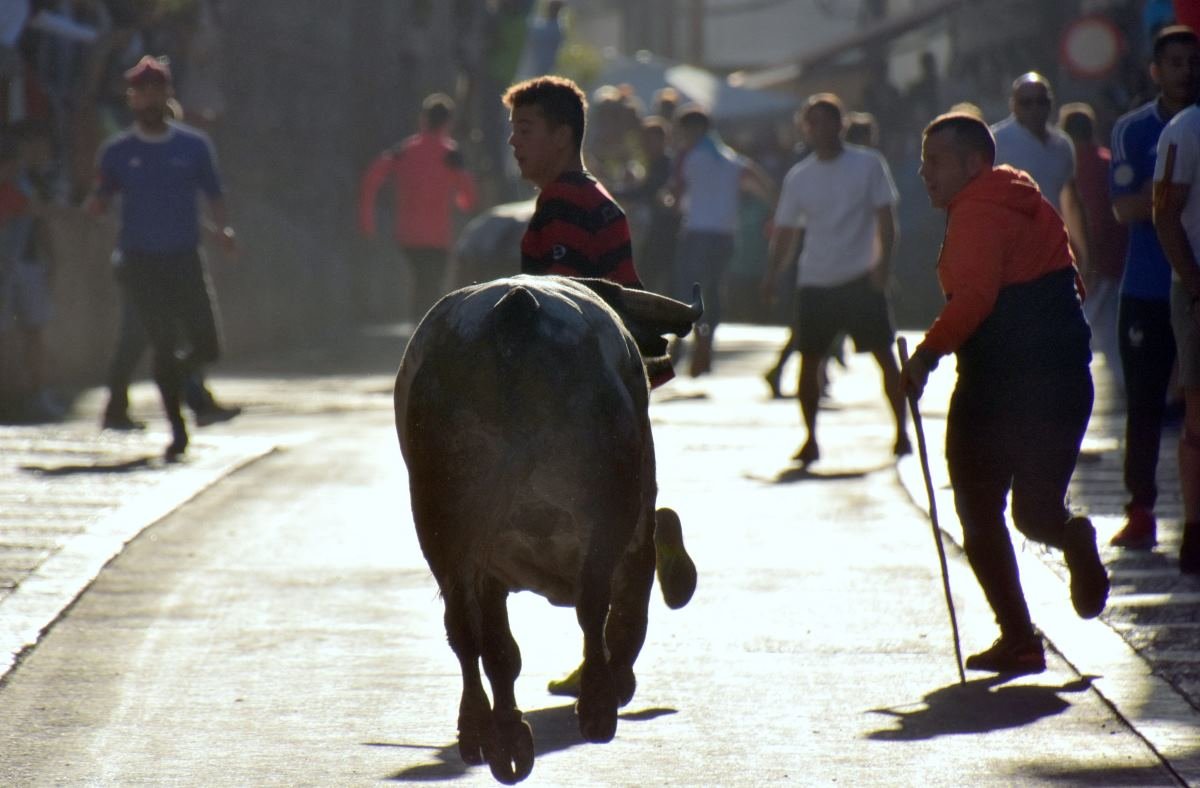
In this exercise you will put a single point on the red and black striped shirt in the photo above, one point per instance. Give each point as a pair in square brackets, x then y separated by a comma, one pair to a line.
[577, 229]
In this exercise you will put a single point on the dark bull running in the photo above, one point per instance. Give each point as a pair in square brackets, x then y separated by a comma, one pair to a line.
[522, 411]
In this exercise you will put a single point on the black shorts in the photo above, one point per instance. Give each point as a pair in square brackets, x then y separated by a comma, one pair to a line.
[856, 308]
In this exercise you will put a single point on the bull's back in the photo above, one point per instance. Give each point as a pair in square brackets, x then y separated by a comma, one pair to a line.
[517, 409]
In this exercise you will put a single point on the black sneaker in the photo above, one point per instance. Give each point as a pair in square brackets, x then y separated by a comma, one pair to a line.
[1189, 550]
[121, 422]
[215, 414]
[808, 453]
[179, 444]
[675, 568]
[773, 376]
[1012, 656]
[1089, 580]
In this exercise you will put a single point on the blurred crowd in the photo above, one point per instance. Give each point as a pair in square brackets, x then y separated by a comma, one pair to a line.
[62, 63]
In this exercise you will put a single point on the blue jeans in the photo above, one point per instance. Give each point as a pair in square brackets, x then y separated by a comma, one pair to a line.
[703, 257]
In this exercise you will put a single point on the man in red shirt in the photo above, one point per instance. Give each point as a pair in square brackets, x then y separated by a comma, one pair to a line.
[1024, 391]
[430, 181]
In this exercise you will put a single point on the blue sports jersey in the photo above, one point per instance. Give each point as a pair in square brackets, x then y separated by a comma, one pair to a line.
[1134, 145]
[158, 180]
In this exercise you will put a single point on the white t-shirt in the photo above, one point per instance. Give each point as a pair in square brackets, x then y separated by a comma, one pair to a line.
[1051, 163]
[1184, 133]
[835, 202]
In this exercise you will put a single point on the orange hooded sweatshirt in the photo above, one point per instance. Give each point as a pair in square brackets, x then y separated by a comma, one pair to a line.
[1000, 232]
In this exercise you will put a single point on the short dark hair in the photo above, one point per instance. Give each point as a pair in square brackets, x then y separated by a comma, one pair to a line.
[694, 117]
[560, 100]
[1078, 120]
[862, 129]
[437, 109]
[970, 133]
[1173, 34]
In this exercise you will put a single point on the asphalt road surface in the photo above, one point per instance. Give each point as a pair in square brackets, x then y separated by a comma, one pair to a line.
[282, 629]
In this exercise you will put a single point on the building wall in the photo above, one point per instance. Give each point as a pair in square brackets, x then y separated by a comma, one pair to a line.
[312, 91]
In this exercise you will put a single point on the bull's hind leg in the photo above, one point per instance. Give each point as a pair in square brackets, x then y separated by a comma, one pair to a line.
[597, 706]
[474, 713]
[626, 629]
[510, 754]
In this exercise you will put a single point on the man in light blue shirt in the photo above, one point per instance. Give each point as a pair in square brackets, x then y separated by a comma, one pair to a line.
[709, 178]
[1026, 140]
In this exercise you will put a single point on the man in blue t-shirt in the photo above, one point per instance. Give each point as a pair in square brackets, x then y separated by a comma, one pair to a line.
[1146, 342]
[158, 167]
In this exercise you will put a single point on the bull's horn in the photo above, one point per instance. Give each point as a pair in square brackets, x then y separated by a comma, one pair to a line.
[652, 306]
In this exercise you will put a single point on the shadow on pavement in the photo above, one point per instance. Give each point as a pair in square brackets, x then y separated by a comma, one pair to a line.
[123, 466]
[978, 706]
[554, 729]
[799, 473]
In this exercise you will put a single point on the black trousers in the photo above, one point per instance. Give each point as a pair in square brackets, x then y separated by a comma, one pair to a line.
[1021, 435]
[172, 296]
[132, 344]
[428, 266]
[1147, 347]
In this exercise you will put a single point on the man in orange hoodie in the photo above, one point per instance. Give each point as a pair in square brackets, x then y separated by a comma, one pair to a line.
[1023, 396]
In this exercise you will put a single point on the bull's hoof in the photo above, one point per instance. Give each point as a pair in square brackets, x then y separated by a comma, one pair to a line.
[676, 571]
[510, 755]
[597, 706]
[597, 723]
[474, 730]
[470, 747]
[567, 686]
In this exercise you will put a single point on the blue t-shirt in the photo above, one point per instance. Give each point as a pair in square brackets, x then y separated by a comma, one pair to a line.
[1134, 144]
[158, 180]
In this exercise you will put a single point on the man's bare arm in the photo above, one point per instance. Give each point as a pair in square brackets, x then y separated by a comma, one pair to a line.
[1138, 207]
[785, 245]
[1076, 220]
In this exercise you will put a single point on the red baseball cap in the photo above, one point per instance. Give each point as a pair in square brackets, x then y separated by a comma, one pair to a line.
[149, 69]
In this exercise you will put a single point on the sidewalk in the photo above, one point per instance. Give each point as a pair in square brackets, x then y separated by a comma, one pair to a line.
[72, 496]
[1145, 648]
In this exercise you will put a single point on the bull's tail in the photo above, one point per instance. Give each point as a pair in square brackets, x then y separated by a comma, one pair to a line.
[516, 316]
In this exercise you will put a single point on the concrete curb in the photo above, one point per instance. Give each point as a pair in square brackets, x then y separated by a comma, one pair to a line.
[42, 597]
[1159, 714]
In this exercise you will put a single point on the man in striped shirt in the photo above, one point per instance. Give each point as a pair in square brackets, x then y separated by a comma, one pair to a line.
[577, 229]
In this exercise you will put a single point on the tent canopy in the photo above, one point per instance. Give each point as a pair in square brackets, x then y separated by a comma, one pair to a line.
[647, 73]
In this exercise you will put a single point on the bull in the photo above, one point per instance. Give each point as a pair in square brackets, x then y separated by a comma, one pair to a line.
[522, 413]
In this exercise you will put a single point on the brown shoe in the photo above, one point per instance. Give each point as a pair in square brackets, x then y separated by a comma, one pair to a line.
[1011, 656]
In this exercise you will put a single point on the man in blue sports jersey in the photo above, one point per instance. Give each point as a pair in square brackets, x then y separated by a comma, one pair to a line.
[158, 167]
[1146, 342]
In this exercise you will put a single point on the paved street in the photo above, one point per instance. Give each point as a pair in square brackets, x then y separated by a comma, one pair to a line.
[281, 628]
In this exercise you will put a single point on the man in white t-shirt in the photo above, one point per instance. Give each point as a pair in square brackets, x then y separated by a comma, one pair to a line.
[1028, 141]
[838, 207]
[1177, 224]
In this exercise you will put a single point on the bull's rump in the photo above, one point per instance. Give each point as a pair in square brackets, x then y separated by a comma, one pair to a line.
[524, 433]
